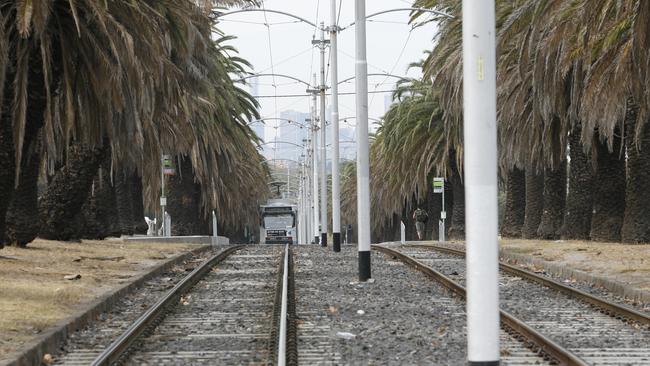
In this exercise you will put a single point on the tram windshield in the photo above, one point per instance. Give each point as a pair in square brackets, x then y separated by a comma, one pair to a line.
[278, 221]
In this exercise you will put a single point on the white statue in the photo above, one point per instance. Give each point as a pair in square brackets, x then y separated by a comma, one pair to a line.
[151, 226]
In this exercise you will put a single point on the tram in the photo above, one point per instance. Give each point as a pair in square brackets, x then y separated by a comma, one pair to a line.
[278, 222]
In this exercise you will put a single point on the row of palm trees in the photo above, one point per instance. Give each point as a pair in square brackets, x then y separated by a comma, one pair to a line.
[574, 154]
[95, 92]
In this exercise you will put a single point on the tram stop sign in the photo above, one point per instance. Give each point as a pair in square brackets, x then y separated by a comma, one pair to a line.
[168, 166]
[438, 185]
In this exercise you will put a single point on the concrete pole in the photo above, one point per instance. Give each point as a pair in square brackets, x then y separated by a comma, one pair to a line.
[306, 202]
[336, 177]
[314, 144]
[363, 154]
[323, 142]
[480, 133]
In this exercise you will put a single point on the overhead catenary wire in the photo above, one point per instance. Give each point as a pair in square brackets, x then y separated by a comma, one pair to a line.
[399, 58]
[344, 93]
[284, 60]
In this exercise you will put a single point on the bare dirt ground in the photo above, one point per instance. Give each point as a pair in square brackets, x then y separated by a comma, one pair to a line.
[34, 291]
[626, 263]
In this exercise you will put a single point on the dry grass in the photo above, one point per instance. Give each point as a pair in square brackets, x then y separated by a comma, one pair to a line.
[625, 263]
[34, 295]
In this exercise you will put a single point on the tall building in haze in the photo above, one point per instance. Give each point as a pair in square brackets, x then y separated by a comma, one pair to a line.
[257, 127]
[292, 129]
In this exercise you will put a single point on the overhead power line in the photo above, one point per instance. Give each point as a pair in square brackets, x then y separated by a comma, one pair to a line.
[306, 95]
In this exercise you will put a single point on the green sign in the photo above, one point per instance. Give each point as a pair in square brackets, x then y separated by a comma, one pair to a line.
[168, 166]
[438, 185]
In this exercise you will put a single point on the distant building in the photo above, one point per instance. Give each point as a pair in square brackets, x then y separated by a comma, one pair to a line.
[293, 129]
[257, 127]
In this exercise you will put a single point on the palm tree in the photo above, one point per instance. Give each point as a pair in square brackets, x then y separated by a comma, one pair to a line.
[143, 90]
[552, 88]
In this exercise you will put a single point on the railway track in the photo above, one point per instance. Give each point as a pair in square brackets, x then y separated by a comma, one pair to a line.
[586, 329]
[228, 311]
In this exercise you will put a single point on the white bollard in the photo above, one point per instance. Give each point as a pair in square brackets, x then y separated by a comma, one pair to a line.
[402, 232]
[168, 225]
[441, 231]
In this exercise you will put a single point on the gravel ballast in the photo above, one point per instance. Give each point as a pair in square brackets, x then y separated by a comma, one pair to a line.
[400, 317]
[578, 326]
[86, 344]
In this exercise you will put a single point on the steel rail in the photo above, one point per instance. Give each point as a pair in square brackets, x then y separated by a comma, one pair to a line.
[120, 346]
[282, 342]
[608, 306]
[543, 344]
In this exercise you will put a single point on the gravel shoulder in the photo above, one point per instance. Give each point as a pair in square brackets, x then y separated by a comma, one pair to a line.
[36, 296]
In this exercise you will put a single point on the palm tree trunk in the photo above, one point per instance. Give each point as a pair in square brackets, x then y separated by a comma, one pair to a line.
[124, 203]
[22, 216]
[409, 223]
[457, 228]
[184, 200]
[7, 158]
[580, 196]
[434, 205]
[609, 194]
[554, 202]
[139, 225]
[98, 214]
[534, 203]
[112, 214]
[515, 208]
[68, 191]
[636, 221]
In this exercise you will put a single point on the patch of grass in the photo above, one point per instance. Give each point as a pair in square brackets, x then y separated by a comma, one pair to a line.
[35, 295]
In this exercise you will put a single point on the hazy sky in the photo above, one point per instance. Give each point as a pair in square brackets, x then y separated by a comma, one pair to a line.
[285, 48]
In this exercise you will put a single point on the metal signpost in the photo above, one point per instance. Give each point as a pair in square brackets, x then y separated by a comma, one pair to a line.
[166, 168]
[439, 187]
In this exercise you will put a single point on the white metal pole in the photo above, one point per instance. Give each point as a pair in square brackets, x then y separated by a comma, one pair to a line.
[480, 132]
[323, 142]
[443, 213]
[336, 178]
[215, 229]
[314, 143]
[363, 169]
[163, 198]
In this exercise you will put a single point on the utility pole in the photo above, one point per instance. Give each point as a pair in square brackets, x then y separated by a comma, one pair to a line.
[314, 144]
[322, 44]
[336, 177]
[480, 133]
[363, 158]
